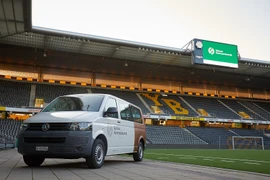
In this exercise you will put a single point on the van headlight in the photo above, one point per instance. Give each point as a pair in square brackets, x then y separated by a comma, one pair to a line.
[80, 126]
[23, 126]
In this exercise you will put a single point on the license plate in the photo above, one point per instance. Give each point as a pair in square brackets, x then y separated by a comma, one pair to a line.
[42, 148]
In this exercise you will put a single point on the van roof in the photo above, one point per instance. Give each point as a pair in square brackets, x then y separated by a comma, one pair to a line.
[98, 94]
[88, 94]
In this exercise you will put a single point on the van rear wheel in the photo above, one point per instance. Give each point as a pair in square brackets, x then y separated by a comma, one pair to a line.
[138, 156]
[33, 161]
[96, 159]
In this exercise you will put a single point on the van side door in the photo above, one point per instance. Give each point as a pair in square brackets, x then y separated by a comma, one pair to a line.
[111, 119]
[126, 126]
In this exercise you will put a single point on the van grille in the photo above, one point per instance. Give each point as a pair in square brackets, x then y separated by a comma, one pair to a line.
[53, 126]
[44, 140]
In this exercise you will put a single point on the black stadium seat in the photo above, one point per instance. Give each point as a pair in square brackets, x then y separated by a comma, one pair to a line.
[128, 96]
[171, 135]
[14, 94]
[50, 92]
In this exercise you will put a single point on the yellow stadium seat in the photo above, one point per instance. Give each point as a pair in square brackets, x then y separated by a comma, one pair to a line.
[244, 115]
[202, 112]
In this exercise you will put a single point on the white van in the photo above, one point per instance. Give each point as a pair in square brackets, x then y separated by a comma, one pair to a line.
[88, 126]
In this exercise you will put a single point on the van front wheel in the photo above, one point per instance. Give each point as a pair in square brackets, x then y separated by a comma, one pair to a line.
[96, 159]
[33, 161]
[138, 156]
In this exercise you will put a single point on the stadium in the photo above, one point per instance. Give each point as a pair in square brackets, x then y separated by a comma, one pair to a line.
[186, 104]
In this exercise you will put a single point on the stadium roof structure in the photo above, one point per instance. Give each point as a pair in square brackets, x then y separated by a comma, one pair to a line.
[16, 29]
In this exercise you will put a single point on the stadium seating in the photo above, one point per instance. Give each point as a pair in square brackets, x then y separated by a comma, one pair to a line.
[267, 131]
[258, 112]
[252, 132]
[238, 107]
[247, 132]
[184, 105]
[169, 105]
[14, 94]
[212, 106]
[9, 129]
[152, 103]
[50, 92]
[171, 135]
[212, 135]
[265, 106]
[128, 96]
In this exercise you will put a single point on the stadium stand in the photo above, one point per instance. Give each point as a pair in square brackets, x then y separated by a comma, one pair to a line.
[212, 106]
[267, 131]
[252, 132]
[263, 115]
[212, 135]
[50, 92]
[156, 101]
[14, 94]
[128, 96]
[184, 105]
[169, 105]
[171, 135]
[153, 102]
[248, 132]
[238, 107]
[265, 106]
[8, 131]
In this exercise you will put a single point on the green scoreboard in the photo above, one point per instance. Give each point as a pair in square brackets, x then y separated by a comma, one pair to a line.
[214, 53]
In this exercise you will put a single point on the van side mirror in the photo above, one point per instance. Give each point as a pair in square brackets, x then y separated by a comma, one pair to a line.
[111, 112]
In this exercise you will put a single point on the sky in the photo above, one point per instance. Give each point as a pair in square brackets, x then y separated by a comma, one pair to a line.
[170, 23]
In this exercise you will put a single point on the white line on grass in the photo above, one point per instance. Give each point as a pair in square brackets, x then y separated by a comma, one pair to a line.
[227, 161]
[163, 158]
[186, 158]
[252, 163]
[246, 160]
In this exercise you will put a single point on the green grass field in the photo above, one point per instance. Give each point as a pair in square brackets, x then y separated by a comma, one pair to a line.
[246, 160]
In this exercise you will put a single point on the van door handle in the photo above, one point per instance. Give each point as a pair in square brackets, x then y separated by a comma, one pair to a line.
[118, 121]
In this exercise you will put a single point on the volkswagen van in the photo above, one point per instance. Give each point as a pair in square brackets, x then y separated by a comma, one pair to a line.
[89, 126]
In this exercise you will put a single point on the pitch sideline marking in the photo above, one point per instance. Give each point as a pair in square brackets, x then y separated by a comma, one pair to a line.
[227, 161]
[187, 158]
[163, 158]
[252, 163]
[247, 160]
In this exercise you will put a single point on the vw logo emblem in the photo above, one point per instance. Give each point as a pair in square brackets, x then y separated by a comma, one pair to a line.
[45, 127]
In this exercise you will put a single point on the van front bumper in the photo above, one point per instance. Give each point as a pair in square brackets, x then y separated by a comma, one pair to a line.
[55, 144]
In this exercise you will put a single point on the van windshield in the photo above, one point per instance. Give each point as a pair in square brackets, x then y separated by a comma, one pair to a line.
[68, 103]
